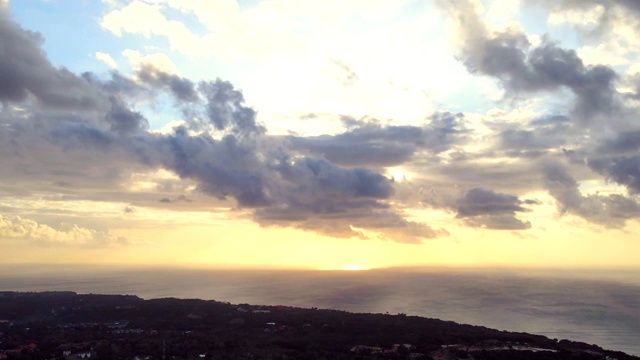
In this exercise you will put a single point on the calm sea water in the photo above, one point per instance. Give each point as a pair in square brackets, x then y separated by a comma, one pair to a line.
[594, 307]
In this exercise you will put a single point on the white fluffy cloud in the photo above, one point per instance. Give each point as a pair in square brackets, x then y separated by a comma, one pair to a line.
[70, 235]
[158, 61]
[107, 59]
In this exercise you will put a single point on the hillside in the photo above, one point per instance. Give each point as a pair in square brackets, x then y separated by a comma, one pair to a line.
[66, 325]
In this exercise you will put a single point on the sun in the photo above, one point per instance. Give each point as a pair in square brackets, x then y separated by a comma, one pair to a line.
[399, 174]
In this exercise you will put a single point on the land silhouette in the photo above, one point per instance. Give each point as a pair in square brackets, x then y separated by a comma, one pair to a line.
[66, 325]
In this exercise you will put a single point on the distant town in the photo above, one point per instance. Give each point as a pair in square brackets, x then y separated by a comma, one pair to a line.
[70, 326]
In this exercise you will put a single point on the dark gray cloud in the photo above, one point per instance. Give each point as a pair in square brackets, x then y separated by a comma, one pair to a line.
[307, 193]
[607, 210]
[26, 72]
[485, 208]
[223, 167]
[177, 199]
[226, 110]
[81, 136]
[472, 170]
[538, 139]
[183, 89]
[356, 154]
[509, 57]
[63, 154]
[497, 222]
[479, 201]
[627, 142]
[370, 143]
[616, 157]
[623, 170]
[124, 120]
[349, 219]
[634, 82]
[117, 84]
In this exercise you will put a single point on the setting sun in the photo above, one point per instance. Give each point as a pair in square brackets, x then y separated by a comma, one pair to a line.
[399, 174]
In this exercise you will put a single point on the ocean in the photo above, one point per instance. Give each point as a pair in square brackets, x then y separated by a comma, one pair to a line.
[596, 307]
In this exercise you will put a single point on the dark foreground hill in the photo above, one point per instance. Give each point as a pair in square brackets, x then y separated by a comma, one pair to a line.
[66, 325]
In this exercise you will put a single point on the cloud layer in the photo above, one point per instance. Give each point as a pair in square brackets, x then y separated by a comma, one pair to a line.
[222, 148]
[568, 124]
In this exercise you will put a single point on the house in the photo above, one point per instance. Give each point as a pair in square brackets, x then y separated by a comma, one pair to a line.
[84, 355]
[79, 355]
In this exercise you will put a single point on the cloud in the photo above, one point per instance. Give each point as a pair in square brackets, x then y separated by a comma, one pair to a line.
[497, 222]
[127, 20]
[479, 201]
[623, 143]
[183, 89]
[26, 72]
[485, 208]
[124, 120]
[157, 61]
[623, 170]
[521, 68]
[594, 17]
[536, 138]
[117, 84]
[107, 59]
[160, 73]
[610, 53]
[616, 157]
[225, 108]
[180, 198]
[302, 192]
[598, 135]
[285, 189]
[366, 219]
[92, 141]
[71, 235]
[370, 143]
[82, 148]
[607, 210]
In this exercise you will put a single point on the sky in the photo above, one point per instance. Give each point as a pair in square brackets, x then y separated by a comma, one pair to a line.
[324, 135]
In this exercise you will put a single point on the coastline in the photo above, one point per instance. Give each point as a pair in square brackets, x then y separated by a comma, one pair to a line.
[592, 311]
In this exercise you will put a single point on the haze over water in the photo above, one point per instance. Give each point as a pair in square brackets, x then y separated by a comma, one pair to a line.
[601, 307]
